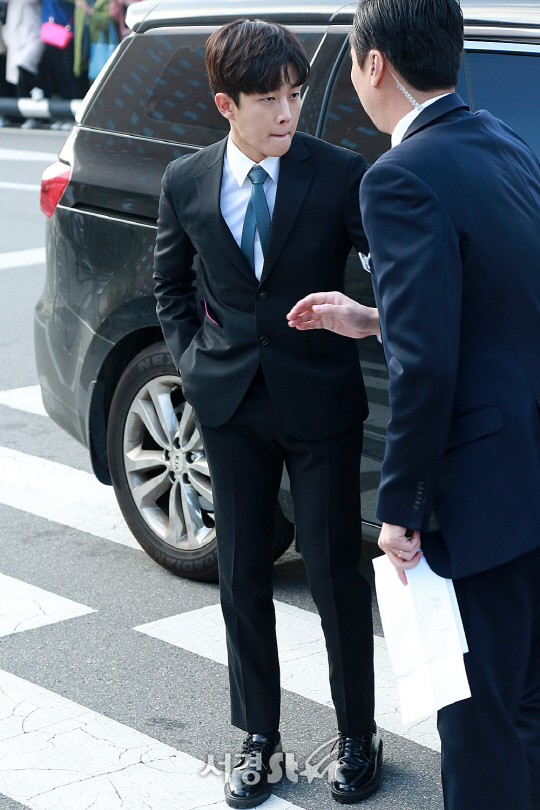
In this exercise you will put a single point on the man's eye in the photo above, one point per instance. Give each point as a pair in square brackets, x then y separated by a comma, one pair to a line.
[268, 98]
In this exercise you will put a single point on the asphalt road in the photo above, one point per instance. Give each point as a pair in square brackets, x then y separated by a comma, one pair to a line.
[113, 690]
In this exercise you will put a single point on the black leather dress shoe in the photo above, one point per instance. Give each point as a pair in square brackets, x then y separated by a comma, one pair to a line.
[358, 771]
[261, 766]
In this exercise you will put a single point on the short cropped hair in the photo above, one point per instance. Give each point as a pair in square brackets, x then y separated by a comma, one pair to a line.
[253, 56]
[422, 39]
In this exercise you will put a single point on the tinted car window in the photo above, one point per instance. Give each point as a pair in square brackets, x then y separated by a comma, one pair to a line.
[161, 91]
[346, 122]
[462, 87]
[508, 85]
[180, 99]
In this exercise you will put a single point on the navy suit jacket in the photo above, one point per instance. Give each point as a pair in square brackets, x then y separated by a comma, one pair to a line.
[452, 216]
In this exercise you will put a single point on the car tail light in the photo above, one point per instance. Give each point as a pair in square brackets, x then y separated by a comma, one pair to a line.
[53, 183]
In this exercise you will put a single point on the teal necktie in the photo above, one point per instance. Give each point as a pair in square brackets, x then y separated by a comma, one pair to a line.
[257, 216]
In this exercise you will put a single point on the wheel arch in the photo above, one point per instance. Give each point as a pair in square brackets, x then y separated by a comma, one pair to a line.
[101, 392]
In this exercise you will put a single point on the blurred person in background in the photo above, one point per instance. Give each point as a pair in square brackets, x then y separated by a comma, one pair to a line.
[7, 90]
[91, 18]
[56, 69]
[117, 10]
[22, 36]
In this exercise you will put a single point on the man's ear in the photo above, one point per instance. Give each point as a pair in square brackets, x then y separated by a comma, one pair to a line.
[225, 105]
[376, 66]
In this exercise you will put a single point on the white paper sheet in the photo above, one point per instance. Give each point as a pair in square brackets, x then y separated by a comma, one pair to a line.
[425, 638]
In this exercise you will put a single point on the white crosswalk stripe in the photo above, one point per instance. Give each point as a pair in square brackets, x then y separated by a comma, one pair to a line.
[25, 607]
[60, 493]
[27, 155]
[34, 187]
[303, 660]
[57, 755]
[22, 258]
[24, 399]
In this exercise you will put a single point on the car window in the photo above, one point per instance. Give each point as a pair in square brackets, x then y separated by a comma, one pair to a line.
[159, 89]
[462, 87]
[508, 86]
[180, 100]
[346, 122]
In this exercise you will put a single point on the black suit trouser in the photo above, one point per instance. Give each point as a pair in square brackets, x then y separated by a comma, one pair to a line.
[246, 457]
[491, 742]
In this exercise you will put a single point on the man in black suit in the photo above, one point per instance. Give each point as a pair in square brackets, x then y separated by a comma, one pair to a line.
[246, 227]
[452, 216]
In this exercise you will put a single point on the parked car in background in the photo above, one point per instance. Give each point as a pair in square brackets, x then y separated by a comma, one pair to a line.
[104, 370]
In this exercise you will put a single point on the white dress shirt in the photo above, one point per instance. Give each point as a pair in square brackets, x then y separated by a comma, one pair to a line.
[236, 191]
[404, 123]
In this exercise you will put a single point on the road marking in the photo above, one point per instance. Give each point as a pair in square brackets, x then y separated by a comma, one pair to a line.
[57, 754]
[21, 186]
[24, 399]
[22, 258]
[303, 660]
[25, 607]
[62, 494]
[28, 155]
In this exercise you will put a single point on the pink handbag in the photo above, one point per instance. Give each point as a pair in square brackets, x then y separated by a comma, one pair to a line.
[55, 34]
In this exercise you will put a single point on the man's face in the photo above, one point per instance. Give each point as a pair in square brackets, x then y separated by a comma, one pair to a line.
[263, 125]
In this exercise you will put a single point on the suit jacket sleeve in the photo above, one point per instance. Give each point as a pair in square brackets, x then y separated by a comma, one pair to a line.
[417, 277]
[174, 276]
[353, 218]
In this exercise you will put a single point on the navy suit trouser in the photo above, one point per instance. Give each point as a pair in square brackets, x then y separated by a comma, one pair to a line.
[246, 457]
[491, 742]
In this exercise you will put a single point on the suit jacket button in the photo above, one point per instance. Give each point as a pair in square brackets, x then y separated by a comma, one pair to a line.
[264, 340]
[417, 505]
[420, 486]
[262, 294]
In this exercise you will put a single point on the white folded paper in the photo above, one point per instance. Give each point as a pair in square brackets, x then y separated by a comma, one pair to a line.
[425, 638]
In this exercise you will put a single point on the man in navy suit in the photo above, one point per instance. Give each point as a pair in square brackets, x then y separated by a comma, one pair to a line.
[452, 216]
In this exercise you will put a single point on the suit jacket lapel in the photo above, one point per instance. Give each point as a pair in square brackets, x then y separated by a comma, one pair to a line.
[436, 110]
[295, 178]
[209, 193]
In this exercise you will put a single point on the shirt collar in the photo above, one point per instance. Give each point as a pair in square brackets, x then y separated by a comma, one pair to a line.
[404, 123]
[241, 165]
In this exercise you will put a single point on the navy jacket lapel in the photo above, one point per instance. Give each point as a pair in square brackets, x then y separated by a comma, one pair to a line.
[209, 192]
[436, 110]
[295, 178]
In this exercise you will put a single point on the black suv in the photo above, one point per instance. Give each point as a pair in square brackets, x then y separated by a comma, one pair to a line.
[105, 373]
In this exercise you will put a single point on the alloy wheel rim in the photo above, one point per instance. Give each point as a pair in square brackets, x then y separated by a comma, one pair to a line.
[166, 466]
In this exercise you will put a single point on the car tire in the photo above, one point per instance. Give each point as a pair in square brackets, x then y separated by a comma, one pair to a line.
[160, 473]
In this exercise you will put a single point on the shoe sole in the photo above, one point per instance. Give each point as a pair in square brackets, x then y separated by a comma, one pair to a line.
[245, 803]
[367, 790]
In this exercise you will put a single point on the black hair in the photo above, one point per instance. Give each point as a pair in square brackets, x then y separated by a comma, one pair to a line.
[422, 39]
[253, 56]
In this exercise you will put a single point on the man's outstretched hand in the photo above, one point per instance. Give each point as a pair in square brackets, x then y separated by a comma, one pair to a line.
[335, 312]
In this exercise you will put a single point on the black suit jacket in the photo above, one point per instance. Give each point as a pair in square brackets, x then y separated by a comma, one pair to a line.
[452, 216]
[313, 378]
